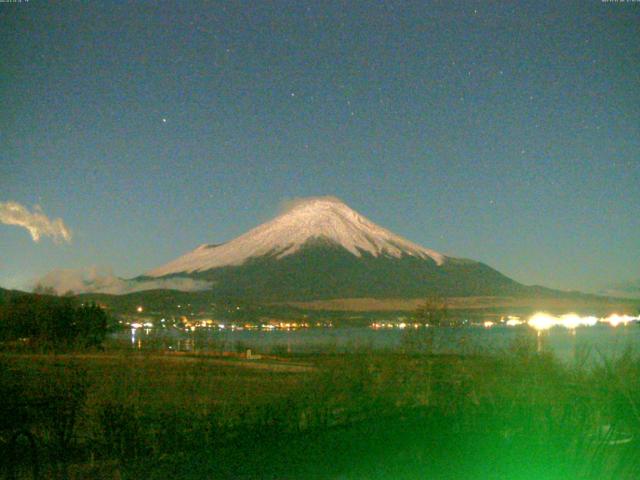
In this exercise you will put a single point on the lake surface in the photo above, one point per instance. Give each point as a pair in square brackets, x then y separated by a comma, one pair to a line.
[599, 340]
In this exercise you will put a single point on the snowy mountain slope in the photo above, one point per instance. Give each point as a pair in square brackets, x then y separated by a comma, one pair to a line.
[324, 218]
[322, 249]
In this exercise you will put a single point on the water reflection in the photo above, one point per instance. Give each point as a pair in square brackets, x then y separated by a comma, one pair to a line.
[601, 339]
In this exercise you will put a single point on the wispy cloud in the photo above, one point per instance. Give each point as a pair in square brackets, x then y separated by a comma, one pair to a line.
[288, 204]
[102, 280]
[36, 222]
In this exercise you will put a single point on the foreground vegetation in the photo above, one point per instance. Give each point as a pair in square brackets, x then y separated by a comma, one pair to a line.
[516, 414]
[45, 321]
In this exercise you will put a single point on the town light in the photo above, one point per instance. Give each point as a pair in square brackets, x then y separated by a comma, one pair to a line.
[542, 321]
[614, 320]
[570, 321]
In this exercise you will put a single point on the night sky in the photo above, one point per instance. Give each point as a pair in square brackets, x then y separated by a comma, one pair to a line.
[506, 132]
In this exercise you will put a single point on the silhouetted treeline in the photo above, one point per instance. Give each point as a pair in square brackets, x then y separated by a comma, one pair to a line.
[43, 320]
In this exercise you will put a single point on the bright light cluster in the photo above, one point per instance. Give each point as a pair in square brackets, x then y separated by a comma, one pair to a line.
[615, 319]
[513, 322]
[544, 321]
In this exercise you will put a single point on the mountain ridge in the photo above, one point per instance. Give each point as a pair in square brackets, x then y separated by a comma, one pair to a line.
[321, 249]
[308, 219]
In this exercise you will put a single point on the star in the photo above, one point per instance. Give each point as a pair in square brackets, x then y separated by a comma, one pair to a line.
[164, 120]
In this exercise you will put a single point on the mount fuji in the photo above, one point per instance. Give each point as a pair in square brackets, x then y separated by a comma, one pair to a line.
[321, 249]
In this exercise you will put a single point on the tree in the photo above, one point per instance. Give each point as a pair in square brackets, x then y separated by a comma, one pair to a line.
[91, 321]
[45, 319]
[433, 311]
[40, 289]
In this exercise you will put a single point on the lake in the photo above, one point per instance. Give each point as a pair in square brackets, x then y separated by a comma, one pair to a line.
[598, 340]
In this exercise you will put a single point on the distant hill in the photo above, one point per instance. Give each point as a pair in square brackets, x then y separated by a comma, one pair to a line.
[7, 294]
[169, 303]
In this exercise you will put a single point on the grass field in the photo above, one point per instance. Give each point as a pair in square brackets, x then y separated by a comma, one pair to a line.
[515, 414]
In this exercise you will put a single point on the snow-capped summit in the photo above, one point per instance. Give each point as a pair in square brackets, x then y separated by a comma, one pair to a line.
[314, 218]
[319, 248]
